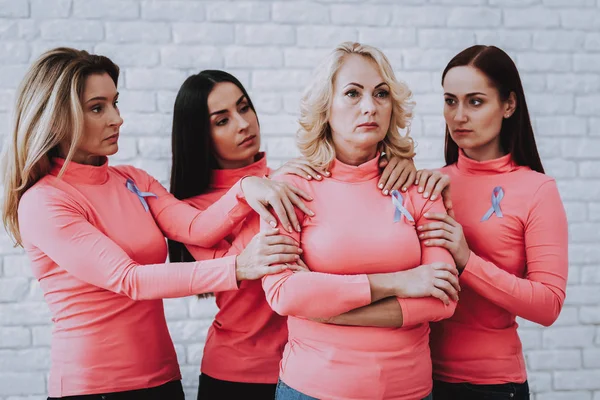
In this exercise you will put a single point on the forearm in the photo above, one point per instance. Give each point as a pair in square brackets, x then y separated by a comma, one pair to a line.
[537, 301]
[385, 313]
[314, 294]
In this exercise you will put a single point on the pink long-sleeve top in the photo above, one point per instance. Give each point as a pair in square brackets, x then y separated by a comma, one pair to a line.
[517, 267]
[99, 256]
[246, 339]
[353, 233]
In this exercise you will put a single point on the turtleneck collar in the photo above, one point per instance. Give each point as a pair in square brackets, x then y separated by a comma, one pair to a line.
[81, 173]
[226, 178]
[500, 165]
[354, 174]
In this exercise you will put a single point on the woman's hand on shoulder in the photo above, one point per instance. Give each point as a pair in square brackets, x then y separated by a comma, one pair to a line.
[398, 174]
[433, 184]
[262, 193]
[301, 168]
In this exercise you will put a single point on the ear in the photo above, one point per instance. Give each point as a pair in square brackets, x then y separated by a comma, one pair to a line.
[510, 105]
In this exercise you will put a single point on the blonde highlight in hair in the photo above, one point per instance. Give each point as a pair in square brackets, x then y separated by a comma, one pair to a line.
[314, 136]
[47, 112]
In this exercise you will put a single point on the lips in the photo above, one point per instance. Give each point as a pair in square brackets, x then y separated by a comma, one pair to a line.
[249, 138]
[113, 137]
[369, 125]
[462, 131]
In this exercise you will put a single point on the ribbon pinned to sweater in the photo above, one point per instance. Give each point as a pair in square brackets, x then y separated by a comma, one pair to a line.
[497, 196]
[399, 211]
[141, 195]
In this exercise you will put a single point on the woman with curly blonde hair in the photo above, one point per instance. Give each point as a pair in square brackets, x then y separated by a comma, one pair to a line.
[362, 248]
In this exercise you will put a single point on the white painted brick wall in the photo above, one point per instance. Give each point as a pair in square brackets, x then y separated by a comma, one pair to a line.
[272, 46]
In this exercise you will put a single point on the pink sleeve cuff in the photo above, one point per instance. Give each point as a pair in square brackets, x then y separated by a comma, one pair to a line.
[214, 276]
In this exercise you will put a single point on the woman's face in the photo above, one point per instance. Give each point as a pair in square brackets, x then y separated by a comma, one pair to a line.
[361, 107]
[474, 110]
[233, 126]
[101, 121]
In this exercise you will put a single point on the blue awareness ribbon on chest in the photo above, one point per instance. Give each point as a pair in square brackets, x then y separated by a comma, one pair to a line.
[399, 211]
[141, 195]
[497, 196]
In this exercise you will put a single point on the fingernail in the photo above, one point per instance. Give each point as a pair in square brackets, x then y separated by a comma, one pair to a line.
[290, 229]
[296, 256]
[298, 228]
[421, 235]
[433, 197]
[416, 182]
[426, 194]
[319, 177]
[420, 227]
[300, 250]
[420, 190]
[308, 177]
[404, 189]
[327, 173]
[426, 215]
[380, 186]
[312, 214]
[273, 224]
[386, 192]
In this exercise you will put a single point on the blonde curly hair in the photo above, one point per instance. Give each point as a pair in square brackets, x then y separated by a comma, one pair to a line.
[314, 136]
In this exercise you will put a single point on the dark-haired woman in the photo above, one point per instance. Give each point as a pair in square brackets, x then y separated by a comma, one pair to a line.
[95, 234]
[508, 237]
[216, 141]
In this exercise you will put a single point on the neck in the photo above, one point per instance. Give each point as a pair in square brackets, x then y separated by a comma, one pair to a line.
[236, 164]
[488, 152]
[80, 157]
[355, 156]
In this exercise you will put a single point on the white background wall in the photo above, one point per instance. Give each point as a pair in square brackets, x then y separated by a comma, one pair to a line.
[272, 47]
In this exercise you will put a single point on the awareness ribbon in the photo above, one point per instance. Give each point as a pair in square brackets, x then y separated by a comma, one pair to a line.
[134, 189]
[497, 196]
[399, 211]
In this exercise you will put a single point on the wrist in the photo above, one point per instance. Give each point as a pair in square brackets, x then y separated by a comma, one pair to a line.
[462, 262]
[239, 274]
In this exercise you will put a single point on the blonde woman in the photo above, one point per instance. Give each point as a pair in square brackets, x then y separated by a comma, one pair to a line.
[95, 234]
[362, 247]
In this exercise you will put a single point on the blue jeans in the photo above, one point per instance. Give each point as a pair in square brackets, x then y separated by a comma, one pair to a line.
[284, 392]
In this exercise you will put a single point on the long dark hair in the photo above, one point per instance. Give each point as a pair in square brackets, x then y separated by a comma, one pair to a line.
[516, 134]
[193, 157]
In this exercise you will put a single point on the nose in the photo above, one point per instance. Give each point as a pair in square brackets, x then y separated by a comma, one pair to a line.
[115, 118]
[368, 105]
[241, 121]
[460, 115]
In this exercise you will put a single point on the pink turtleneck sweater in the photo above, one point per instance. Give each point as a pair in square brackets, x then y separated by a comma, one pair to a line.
[353, 233]
[100, 259]
[246, 339]
[518, 267]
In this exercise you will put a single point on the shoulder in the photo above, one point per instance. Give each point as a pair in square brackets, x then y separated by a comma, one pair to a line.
[141, 178]
[44, 198]
[420, 204]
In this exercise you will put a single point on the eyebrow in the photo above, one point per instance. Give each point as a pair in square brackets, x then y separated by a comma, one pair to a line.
[102, 98]
[467, 95]
[237, 103]
[362, 87]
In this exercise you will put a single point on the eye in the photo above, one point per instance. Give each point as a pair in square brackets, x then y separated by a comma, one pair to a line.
[115, 103]
[96, 109]
[222, 122]
[476, 102]
[245, 108]
[449, 101]
[352, 93]
[382, 94]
